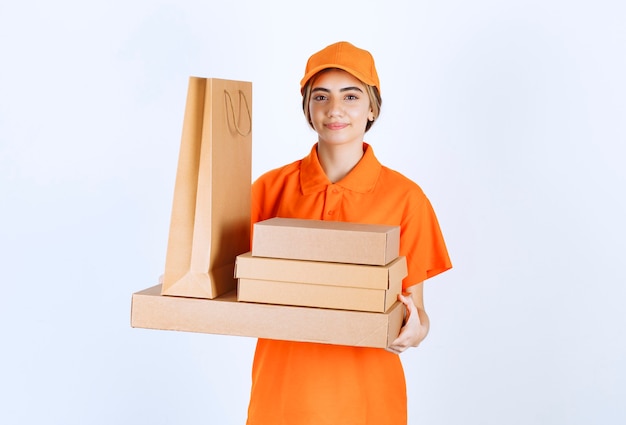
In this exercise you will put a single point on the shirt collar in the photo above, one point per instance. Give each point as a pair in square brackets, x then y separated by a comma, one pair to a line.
[362, 178]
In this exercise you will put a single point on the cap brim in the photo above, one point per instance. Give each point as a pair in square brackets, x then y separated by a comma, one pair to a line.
[352, 72]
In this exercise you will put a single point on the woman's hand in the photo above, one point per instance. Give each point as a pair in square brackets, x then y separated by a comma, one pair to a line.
[416, 322]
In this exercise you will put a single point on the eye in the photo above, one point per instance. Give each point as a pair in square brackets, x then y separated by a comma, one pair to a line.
[351, 97]
[319, 98]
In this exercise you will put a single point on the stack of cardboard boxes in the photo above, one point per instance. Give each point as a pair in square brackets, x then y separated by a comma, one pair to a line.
[304, 280]
[325, 264]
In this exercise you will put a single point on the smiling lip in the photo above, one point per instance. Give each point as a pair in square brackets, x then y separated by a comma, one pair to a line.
[336, 126]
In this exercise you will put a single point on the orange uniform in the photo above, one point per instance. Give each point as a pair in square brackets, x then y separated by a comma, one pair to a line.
[320, 384]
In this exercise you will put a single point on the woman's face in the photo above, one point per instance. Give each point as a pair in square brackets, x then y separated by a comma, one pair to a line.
[339, 108]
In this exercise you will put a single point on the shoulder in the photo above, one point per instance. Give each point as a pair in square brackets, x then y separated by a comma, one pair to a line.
[278, 174]
[394, 180]
[273, 188]
[274, 181]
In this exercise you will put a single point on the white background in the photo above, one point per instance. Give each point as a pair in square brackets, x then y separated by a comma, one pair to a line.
[511, 115]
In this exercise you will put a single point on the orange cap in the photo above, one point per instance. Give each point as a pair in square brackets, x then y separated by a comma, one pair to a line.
[346, 56]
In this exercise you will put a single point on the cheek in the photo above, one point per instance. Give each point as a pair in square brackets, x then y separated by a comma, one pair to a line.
[360, 113]
[314, 117]
[316, 113]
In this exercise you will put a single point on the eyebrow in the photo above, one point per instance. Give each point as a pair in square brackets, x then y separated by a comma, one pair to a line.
[341, 90]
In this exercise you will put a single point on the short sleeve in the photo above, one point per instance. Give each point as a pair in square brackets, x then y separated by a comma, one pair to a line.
[422, 241]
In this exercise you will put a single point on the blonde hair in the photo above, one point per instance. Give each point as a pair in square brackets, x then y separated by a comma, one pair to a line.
[372, 92]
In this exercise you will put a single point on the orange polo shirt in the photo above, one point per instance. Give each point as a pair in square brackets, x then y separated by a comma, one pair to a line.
[296, 383]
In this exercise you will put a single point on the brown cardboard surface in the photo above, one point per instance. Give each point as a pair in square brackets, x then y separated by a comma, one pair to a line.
[210, 221]
[320, 273]
[331, 241]
[226, 316]
[325, 296]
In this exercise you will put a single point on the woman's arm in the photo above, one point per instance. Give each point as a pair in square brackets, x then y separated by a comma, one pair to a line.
[416, 323]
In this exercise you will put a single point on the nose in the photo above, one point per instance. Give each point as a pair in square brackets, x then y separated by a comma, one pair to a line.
[335, 107]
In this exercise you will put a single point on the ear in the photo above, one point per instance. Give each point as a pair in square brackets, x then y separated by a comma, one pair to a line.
[370, 116]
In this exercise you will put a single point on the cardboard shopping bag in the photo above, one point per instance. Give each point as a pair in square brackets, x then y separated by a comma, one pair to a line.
[210, 222]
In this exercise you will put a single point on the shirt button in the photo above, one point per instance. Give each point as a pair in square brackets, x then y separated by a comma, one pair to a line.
[335, 191]
[331, 212]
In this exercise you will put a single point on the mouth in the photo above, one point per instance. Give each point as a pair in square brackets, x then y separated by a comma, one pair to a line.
[336, 125]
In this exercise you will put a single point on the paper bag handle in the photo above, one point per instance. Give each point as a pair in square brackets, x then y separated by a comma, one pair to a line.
[242, 95]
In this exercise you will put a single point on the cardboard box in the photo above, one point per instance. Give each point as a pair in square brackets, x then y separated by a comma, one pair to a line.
[321, 273]
[319, 284]
[324, 296]
[224, 315]
[331, 241]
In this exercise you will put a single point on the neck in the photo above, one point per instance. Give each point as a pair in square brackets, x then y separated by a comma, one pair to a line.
[338, 160]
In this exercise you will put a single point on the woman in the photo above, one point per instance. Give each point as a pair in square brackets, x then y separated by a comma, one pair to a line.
[341, 179]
